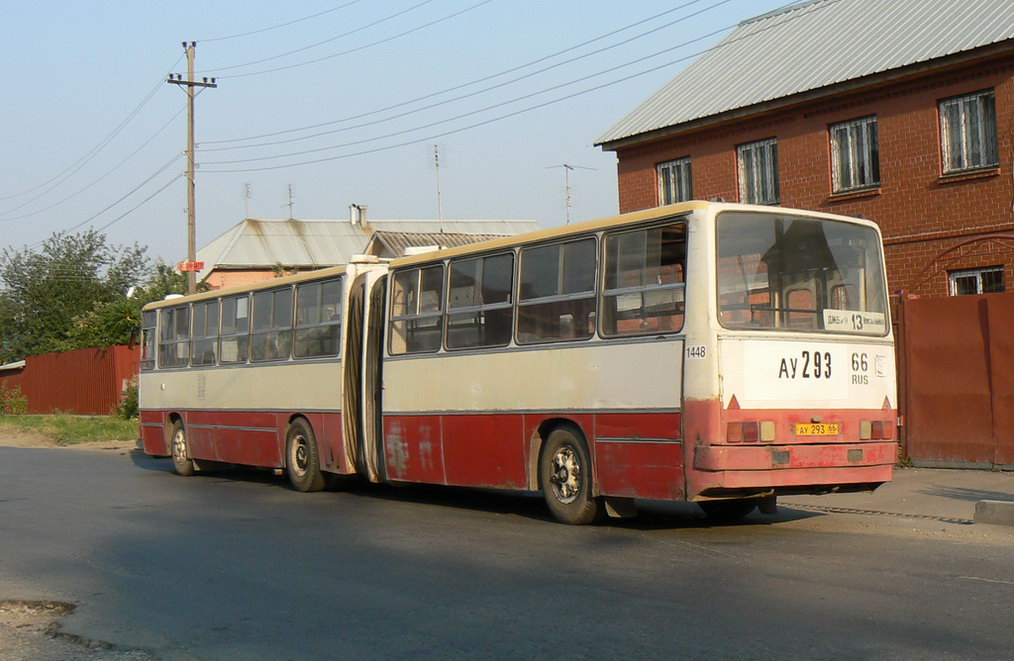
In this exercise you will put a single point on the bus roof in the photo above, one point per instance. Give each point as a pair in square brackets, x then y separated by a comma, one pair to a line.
[654, 213]
[255, 286]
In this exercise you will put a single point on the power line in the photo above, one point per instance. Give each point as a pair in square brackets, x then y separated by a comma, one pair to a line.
[470, 94]
[490, 107]
[281, 25]
[108, 172]
[319, 43]
[353, 50]
[162, 169]
[510, 114]
[77, 165]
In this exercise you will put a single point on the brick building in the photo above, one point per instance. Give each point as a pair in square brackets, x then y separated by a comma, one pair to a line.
[899, 110]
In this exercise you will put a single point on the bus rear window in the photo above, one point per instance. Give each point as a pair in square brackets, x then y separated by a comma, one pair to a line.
[797, 273]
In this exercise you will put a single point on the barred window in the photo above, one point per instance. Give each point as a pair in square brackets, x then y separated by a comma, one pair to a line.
[675, 183]
[205, 334]
[556, 300]
[986, 280]
[416, 309]
[758, 172]
[644, 281]
[271, 331]
[480, 311]
[235, 340]
[318, 319]
[855, 154]
[174, 340]
[968, 132]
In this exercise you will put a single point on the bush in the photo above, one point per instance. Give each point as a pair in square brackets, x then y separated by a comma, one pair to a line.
[128, 408]
[12, 402]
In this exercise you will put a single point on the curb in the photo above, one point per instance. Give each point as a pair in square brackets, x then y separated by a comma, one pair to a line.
[997, 512]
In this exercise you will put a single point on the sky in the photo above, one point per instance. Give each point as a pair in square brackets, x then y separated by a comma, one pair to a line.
[325, 103]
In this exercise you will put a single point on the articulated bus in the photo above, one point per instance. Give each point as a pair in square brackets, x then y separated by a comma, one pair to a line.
[717, 353]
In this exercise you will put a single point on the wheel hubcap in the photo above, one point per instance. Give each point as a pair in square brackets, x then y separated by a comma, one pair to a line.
[566, 477]
[179, 447]
[300, 456]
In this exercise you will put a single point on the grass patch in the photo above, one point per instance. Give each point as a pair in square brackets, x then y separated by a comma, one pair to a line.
[71, 429]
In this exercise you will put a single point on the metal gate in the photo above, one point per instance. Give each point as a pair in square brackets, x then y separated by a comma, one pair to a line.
[956, 380]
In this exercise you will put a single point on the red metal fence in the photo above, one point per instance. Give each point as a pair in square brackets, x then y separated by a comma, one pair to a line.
[86, 381]
[956, 380]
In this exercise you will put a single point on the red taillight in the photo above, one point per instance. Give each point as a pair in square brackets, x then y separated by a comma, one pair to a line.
[751, 432]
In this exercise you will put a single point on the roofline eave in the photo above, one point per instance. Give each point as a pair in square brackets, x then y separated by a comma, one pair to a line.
[990, 51]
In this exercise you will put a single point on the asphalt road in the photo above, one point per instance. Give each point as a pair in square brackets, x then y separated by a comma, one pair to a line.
[236, 565]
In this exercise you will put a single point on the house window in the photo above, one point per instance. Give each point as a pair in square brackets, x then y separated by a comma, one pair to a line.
[855, 155]
[758, 172]
[986, 280]
[674, 181]
[968, 132]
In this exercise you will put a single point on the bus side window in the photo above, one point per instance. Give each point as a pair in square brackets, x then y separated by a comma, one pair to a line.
[480, 313]
[416, 310]
[644, 281]
[557, 294]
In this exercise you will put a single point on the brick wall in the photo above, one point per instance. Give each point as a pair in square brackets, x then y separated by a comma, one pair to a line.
[920, 213]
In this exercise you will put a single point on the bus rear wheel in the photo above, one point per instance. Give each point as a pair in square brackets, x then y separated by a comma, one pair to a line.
[726, 511]
[302, 461]
[182, 463]
[565, 475]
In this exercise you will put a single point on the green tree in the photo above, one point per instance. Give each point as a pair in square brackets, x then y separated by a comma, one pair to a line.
[68, 294]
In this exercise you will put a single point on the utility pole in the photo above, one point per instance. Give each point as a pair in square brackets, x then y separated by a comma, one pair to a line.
[567, 167]
[190, 266]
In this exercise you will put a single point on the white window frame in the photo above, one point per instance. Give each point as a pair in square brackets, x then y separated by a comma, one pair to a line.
[855, 154]
[968, 132]
[954, 276]
[675, 181]
[758, 172]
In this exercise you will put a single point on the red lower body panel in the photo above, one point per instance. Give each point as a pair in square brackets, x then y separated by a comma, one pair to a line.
[634, 454]
[253, 438]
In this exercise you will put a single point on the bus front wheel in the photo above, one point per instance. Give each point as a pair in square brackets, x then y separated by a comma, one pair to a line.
[565, 475]
[302, 462]
[182, 463]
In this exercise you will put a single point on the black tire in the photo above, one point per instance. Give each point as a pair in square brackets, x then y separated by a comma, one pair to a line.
[565, 475]
[726, 511]
[179, 450]
[302, 461]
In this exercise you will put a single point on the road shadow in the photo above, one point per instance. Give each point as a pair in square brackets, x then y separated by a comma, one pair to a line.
[651, 514]
[969, 495]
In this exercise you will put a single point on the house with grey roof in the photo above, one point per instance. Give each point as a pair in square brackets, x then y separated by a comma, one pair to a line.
[259, 249]
[899, 110]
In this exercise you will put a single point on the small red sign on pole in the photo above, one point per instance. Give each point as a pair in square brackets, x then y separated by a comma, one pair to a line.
[183, 267]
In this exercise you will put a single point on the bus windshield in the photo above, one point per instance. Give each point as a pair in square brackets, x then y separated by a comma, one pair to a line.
[790, 272]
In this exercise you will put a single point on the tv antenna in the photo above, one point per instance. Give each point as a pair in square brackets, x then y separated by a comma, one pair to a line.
[568, 198]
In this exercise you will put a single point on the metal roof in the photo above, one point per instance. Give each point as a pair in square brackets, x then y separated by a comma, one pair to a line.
[812, 45]
[395, 243]
[260, 243]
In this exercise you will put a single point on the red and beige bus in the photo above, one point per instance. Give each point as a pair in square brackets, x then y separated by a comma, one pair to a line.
[718, 353]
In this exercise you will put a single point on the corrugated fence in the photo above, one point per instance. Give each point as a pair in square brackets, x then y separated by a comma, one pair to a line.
[85, 382]
[956, 356]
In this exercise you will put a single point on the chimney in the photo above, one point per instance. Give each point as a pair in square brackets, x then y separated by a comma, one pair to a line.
[357, 214]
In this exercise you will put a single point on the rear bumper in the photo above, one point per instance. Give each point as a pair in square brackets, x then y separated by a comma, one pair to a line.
[738, 467]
